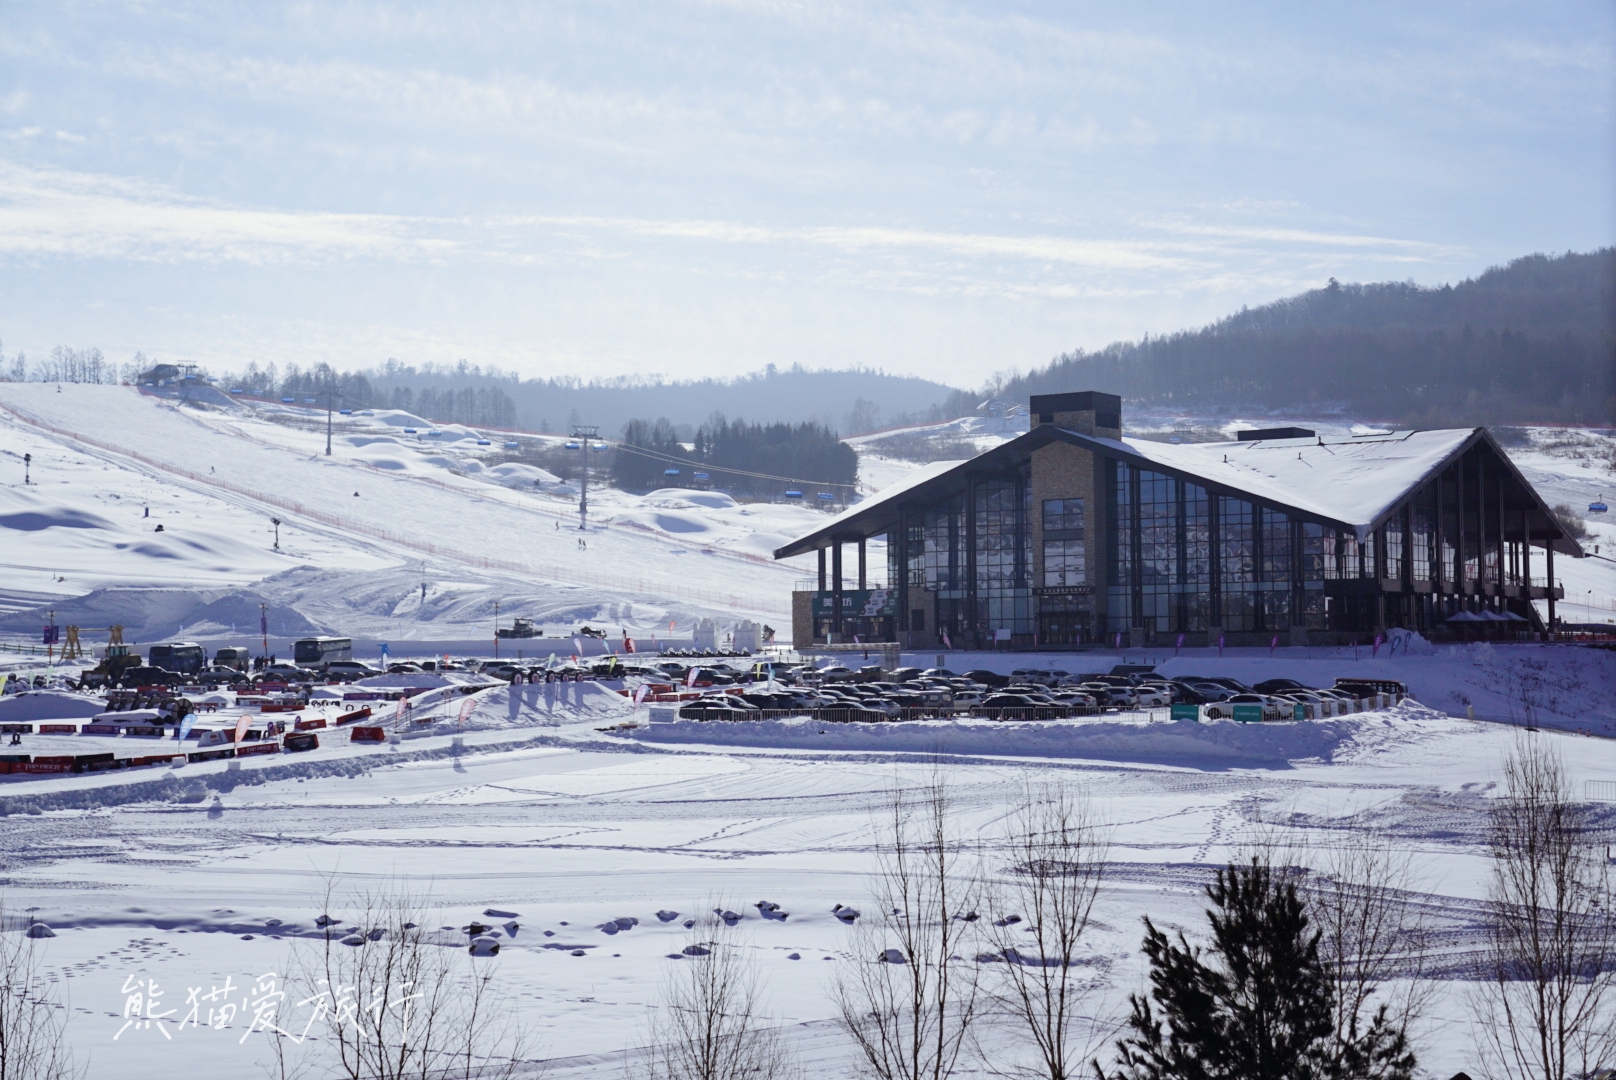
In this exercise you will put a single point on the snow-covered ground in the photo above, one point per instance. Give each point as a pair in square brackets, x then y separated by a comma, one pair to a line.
[191, 876]
[202, 873]
[362, 530]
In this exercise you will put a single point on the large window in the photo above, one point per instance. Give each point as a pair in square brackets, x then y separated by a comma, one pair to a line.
[1065, 551]
[1275, 572]
[1237, 562]
[1158, 550]
[1195, 584]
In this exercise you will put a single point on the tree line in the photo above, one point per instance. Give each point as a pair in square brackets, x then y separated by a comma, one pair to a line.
[71, 365]
[1530, 342]
[730, 452]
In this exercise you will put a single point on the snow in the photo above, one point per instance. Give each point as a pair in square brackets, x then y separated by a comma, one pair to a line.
[537, 803]
[35, 705]
[356, 529]
[1353, 479]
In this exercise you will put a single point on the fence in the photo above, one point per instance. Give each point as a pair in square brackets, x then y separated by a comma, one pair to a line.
[547, 571]
[1602, 790]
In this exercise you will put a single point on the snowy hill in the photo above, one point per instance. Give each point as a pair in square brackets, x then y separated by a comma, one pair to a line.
[361, 531]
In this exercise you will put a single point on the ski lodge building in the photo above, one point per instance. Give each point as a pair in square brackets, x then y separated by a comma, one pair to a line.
[1071, 534]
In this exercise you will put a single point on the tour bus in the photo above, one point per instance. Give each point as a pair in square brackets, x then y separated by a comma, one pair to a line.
[317, 652]
[178, 656]
[234, 656]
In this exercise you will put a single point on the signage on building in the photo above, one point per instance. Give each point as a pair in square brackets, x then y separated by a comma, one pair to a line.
[856, 603]
[1065, 590]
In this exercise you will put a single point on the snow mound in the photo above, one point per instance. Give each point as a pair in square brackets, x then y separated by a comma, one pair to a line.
[1187, 744]
[715, 500]
[516, 474]
[545, 705]
[670, 521]
[36, 705]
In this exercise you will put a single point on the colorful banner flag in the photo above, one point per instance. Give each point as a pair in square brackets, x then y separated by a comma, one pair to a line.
[946, 643]
[241, 730]
[1179, 645]
[628, 644]
[1273, 644]
[640, 693]
[1380, 639]
[1220, 645]
[690, 676]
[186, 724]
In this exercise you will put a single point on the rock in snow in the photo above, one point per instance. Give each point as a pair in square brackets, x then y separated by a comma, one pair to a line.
[667, 916]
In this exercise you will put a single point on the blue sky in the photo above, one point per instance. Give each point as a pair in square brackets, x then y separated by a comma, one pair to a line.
[701, 188]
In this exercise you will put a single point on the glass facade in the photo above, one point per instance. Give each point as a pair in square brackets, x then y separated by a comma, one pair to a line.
[974, 551]
[1184, 560]
[1065, 550]
[1160, 554]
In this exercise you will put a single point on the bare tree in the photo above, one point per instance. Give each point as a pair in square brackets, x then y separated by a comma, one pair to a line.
[1545, 1007]
[401, 1002]
[33, 1024]
[908, 999]
[1374, 947]
[1038, 915]
[710, 1025]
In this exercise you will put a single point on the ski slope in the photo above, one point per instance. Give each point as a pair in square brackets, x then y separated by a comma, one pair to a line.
[362, 530]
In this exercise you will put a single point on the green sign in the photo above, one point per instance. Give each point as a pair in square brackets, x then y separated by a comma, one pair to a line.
[856, 603]
[1187, 712]
[1248, 714]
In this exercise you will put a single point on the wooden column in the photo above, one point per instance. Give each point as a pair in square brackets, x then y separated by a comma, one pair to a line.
[1550, 557]
[836, 586]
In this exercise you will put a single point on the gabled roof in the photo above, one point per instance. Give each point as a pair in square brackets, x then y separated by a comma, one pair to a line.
[1350, 482]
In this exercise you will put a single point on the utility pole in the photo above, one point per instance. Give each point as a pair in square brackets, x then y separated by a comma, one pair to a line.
[496, 629]
[277, 523]
[330, 392]
[27, 464]
[263, 627]
[585, 434]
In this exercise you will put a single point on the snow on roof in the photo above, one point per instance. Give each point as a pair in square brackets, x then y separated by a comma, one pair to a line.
[891, 491]
[1350, 479]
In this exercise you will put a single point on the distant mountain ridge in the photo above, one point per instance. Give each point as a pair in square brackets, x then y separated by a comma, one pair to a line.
[1533, 341]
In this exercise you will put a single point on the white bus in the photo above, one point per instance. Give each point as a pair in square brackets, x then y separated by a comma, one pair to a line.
[317, 652]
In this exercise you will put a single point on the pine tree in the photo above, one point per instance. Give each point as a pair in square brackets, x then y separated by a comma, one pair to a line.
[1255, 1005]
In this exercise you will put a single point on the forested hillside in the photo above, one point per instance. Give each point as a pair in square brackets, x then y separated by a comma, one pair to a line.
[743, 458]
[1533, 341]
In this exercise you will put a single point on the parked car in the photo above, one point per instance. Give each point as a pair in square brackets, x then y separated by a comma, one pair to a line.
[990, 679]
[1275, 686]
